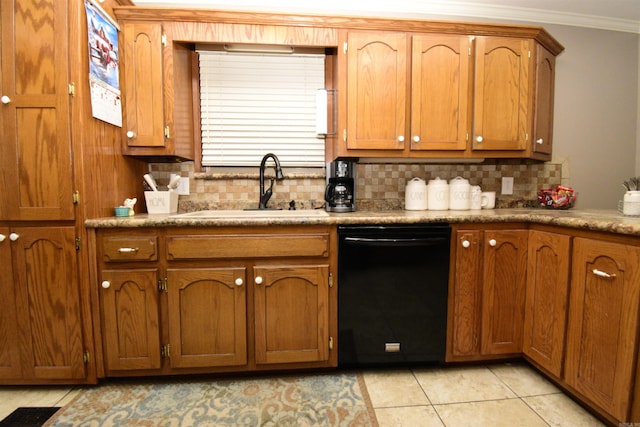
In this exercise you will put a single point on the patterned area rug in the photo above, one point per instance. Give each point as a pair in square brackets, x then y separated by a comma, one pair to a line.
[336, 399]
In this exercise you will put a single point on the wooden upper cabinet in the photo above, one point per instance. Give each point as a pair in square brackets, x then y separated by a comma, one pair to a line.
[377, 90]
[142, 67]
[542, 140]
[602, 333]
[440, 92]
[35, 154]
[157, 93]
[502, 104]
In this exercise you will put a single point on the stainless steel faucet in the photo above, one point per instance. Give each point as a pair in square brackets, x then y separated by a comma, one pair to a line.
[266, 195]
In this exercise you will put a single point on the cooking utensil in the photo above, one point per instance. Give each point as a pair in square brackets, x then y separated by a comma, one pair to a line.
[152, 182]
[173, 182]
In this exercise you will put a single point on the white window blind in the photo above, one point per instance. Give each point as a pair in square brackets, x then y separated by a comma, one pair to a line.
[254, 104]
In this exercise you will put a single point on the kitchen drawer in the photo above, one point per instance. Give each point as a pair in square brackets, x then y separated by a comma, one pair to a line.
[247, 246]
[129, 248]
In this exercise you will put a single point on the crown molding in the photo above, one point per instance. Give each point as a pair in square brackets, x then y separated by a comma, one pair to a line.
[413, 9]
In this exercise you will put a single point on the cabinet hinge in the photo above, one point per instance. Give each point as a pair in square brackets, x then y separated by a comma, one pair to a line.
[330, 343]
[163, 285]
[466, 137]
[163, 40]
[72, 89]
[86, 357]
[75, 197]
[77, 243]
[344, 47]
[167, 134]
[344, 135]
[331, 280]
[165, 350]
[529, 54]
[526, 136]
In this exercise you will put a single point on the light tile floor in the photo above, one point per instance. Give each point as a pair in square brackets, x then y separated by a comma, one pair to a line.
[495, 395]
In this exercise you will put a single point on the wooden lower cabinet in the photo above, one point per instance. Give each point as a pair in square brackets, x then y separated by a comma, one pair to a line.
[41, 325]
[130, 319]
[207, 317]
[181, 301]
[546, 299]
[602, 333]
[487, 288]
[291, 313]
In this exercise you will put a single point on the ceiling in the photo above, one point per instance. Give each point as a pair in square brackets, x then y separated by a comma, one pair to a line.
[615, 15]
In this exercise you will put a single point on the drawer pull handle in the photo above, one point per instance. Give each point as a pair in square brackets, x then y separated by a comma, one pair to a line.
[603, 274]
[128, 250]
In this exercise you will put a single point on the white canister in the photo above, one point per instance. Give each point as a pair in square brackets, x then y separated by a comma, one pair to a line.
[415, 196]
[459, 194]
[438, 195]
[476, 197]
[631, 203]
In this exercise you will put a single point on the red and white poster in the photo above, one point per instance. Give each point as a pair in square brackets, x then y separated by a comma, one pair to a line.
[104, 66]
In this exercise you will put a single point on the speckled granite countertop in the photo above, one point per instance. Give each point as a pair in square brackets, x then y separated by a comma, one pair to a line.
[596, 220]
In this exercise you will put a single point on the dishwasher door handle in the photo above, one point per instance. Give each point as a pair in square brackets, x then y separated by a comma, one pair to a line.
[381, 241]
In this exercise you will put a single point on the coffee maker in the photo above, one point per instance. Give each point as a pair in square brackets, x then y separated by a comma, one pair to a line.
[340, 192]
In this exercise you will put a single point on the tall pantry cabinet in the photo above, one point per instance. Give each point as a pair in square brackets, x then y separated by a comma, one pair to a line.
[45, 329]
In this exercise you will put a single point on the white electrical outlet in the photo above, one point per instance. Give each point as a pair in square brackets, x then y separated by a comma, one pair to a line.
[183, 186]
[507, 185]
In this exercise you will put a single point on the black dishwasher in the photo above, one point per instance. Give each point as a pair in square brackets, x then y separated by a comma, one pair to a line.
[392, 294]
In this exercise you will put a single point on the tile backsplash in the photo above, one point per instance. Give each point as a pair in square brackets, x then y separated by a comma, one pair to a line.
[380, 186]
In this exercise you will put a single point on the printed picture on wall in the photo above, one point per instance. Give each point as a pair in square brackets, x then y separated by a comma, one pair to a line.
[103, 65]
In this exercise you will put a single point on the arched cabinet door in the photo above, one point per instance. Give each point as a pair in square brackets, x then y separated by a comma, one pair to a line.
[291, 313]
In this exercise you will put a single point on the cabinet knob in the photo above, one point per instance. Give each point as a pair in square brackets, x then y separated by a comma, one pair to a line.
[479, 138]
[2, 237]
[401, 138]
[466, 243]
[239, 282]
[492, 242]
[106, 284]
[131, 134]
[258, 280]
[416, 138]
[5, 99]
[14, 236]
[539, 141]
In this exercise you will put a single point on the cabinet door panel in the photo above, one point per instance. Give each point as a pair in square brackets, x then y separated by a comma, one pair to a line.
[440, 92]
[50, 322]
[465, 296]
[546, 299]
[35, 156]
[207, 317]
[505, 268]
[143, 94]
[603, 323]
[543, 120]
[9, 351]
[130, 319]
[291, 313]
[502, 94]
[377, 90]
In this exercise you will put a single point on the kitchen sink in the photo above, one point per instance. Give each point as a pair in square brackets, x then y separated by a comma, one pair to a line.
[253, 213]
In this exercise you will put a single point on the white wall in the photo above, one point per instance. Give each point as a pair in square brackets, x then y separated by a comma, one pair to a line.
[597, 111]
